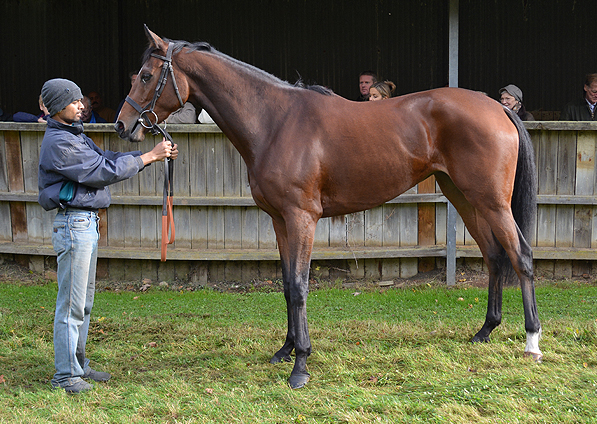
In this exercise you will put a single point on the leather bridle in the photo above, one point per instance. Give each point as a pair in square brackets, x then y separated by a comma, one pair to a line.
[146, 112]
[168, 230]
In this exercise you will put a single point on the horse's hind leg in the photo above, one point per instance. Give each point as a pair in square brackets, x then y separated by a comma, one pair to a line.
[505, 230]
[521, 257]
[481, 232]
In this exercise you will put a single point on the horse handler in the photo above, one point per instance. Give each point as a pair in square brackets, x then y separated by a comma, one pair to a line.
[73, 176]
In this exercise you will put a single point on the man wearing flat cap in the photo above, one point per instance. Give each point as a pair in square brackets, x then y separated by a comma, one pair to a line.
[73, 177]
[511, 97]
[583, 108]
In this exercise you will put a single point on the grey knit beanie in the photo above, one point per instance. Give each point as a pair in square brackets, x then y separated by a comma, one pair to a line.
[58, 93]
[513, 90]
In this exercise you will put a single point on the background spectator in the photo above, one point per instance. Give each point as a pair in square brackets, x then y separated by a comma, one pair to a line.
[29, 117]
[185, 115]
[381, 90]
[98, 107]
[511, 97]
[88, 115]
[583, 108]
[366, 79]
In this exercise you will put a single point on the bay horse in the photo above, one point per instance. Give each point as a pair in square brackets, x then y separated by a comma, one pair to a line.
[312, 154]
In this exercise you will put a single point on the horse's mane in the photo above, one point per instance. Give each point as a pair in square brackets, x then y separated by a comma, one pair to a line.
[317, 88]
[206, 47]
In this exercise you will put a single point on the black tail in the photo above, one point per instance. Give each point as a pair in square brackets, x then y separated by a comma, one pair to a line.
[524, 196]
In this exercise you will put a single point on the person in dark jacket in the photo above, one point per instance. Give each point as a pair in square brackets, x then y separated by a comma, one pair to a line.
[511, 97]
[366, 79]
[73, 177]
[583, 108]
[29, 117]
[89, 116]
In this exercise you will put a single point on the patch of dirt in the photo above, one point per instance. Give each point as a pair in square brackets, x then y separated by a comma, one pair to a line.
[13, 272]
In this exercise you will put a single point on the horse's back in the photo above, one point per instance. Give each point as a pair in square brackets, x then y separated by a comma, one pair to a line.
[378, 150]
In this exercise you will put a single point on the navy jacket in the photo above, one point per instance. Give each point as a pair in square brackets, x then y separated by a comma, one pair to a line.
[69, 155]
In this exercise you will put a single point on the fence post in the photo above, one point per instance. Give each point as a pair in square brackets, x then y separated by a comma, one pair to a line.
[452, 82]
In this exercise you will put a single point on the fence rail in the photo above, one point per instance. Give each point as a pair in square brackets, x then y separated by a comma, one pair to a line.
[221, 234]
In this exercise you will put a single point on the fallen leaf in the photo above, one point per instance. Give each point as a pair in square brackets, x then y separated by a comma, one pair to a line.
[145, 287]
[2, 380]
[151, 344]
[356, 293]
[461, 299]
[209, 391]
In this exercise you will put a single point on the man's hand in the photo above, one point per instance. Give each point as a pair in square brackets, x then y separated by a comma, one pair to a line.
[162, 150]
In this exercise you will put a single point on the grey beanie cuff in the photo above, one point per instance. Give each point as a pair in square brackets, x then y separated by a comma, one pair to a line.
[58, 93]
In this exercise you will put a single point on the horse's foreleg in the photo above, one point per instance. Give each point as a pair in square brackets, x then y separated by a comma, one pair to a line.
[283, 355]
[295, 241]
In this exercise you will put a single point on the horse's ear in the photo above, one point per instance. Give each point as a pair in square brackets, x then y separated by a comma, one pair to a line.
[154, 40]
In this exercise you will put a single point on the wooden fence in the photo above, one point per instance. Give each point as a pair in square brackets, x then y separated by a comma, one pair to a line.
[222, 235]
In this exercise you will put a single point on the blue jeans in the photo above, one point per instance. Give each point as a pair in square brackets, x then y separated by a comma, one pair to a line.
[75, 236]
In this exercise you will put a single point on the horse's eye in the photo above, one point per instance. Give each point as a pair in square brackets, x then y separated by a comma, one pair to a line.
[145, 77]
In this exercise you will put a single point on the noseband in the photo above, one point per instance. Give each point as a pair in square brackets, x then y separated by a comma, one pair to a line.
[145, 113]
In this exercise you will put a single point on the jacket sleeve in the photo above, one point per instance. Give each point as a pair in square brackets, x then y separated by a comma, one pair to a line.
[82, 161]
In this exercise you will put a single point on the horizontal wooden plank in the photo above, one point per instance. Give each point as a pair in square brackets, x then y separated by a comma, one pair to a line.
[551, 253]
[439, 251]
[109, 128]
[231, 254]
[210, 200]
[561, 125]
[213, 128]
[542, 199]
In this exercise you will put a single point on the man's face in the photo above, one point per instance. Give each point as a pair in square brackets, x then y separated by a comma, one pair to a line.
[591, 92]
[365, 82]
[96, 100]
[71, 113]
[86, 112]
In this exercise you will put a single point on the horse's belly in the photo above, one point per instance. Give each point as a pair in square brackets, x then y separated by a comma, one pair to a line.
[360, 198]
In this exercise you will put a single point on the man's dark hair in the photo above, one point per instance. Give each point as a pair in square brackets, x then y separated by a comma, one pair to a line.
[370, 73]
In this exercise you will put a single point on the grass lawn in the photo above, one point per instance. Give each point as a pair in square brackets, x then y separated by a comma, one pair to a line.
[397, 355]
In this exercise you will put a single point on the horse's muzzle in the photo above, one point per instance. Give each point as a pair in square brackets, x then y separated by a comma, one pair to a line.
[128, 134]
[119, 128]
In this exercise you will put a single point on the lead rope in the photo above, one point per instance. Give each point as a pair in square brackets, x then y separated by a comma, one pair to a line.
[168, 229]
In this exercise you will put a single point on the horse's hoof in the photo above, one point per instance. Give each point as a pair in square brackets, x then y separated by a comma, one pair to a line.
[537, 357]
[276, 359]
[479, 339]
[298, 381]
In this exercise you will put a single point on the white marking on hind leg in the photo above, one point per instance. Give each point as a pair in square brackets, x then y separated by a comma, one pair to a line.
[532, 347]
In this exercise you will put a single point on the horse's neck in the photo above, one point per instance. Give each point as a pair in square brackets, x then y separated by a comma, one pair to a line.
[240, 99]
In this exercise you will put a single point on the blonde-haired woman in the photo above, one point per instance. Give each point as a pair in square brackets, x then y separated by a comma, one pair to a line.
[381, 90]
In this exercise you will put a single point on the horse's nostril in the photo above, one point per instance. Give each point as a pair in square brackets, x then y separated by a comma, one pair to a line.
[119, 127]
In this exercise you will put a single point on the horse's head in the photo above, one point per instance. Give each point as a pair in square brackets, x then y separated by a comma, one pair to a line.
[156, 81]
